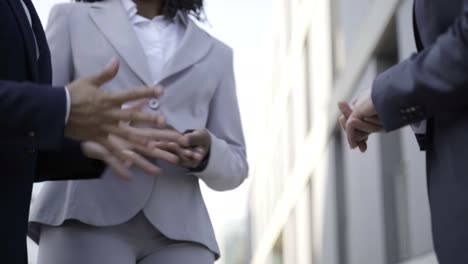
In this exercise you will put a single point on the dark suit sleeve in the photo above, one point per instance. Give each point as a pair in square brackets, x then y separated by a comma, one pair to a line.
[429, 83]
[32, 114]
[33, 117]
[67, 164]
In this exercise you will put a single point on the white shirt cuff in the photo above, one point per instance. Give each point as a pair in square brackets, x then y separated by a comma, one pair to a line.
[420, 128]
[67, 114]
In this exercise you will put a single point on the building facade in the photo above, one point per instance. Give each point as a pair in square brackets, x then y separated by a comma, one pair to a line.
[312, 200]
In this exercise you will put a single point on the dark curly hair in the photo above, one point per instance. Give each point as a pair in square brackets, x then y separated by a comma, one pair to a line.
[171, 7]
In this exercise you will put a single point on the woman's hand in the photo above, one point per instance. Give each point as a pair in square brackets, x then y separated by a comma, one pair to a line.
[192, 148]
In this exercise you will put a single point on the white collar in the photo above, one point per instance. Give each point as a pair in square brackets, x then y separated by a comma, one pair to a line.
[130, 7]
[132, 12]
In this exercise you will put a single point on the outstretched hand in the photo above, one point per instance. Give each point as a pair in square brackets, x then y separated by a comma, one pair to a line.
[120, 155]
[96, 113]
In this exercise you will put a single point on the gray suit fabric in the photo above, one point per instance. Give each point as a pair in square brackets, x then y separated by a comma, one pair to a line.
[199, 91]
[433, 85]
[135, 241]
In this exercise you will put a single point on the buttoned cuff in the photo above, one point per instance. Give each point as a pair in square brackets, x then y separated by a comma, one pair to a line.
[419, 128]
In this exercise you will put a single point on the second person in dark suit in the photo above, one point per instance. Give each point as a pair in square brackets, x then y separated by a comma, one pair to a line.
[429, 87]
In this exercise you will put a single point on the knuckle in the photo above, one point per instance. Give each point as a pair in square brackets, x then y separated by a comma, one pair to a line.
[132, 115]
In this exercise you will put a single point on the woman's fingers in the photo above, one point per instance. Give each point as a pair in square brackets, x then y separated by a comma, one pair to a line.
[197, 137]
[199, 153]
[118, 167]
[186, 157]
[145, 135]
[157, 152]
[121, 151]
[115, 158]
[142, 163]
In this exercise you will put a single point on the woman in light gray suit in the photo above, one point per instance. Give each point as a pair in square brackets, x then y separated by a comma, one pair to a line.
[147, 220]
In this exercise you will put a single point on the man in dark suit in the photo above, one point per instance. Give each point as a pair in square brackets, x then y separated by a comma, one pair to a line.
[429, 89]
[35, 118]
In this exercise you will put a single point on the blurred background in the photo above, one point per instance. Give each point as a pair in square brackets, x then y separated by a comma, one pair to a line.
[309, 198]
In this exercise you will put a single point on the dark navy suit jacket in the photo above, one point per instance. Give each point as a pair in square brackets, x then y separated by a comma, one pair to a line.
[32, 119]
[433, 85]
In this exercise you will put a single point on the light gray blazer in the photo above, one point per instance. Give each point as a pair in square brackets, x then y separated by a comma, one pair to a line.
[200, 92]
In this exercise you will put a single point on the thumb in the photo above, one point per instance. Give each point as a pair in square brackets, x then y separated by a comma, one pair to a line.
[345, 109]
[106, 75]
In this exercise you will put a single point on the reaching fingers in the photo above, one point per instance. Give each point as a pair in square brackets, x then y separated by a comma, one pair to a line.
[103, 153]
[114, 148]
[132, 115]
[144, 136]
[147, 141]
[118, 167]
[142, 163]
[164, 145]
[153, 151]
[116, 158]
[137, 105]
[119, 131]
[186, 157]
[184, 154]
[131, 158]
[121, 98]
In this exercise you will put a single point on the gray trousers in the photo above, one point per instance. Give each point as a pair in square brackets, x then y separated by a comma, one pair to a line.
[135, 242]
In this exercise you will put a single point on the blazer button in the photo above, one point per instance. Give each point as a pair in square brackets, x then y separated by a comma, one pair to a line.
[154, 104]
[32, 134]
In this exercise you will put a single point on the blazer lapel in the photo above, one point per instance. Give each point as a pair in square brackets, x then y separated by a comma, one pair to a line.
[112, 20]
[195, 45]
[44, 63]
[28, 36]
[417, 36]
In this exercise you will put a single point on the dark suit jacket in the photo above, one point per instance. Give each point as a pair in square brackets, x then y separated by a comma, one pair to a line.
[433, 85]
[32, 117]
